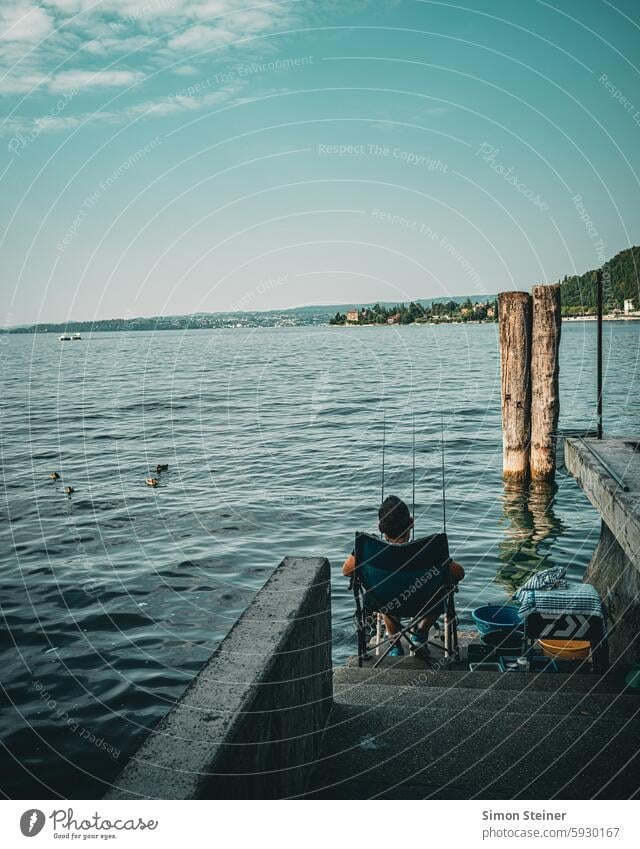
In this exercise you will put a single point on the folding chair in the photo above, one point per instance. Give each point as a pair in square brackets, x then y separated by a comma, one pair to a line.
[407, 581]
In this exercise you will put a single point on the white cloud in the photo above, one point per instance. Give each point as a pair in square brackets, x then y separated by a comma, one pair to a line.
[87, 37]
[251, 21]
[67, 80]
[185, 70]
[157, 108]
[24, 22]
[105, 46]
[67, 6]
[21, 83]
[200, 37]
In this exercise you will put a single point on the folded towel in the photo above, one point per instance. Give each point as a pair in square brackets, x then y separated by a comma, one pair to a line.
[574, 598]
[548, 579]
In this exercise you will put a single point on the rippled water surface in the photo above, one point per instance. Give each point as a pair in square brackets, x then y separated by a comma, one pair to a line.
[112, 598]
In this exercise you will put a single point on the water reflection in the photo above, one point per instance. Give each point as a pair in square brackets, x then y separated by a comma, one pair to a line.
[530, 526]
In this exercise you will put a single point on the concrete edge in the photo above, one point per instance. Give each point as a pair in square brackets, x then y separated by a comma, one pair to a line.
[276, 659]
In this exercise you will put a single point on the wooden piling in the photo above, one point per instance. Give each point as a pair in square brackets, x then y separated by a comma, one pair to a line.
[515, 324]
[545, 397]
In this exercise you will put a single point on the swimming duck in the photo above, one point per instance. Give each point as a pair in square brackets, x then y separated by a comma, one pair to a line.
[162, 467]
[69, 490]
[54, 476]
[152, 481]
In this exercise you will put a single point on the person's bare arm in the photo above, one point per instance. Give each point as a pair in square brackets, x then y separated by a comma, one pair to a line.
[457, 572]
[349, 565]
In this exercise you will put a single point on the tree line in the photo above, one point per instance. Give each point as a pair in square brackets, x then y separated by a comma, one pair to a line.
[620, 283]
[415, 312]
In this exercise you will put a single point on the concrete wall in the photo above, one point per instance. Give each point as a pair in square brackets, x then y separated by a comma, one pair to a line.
[618, 582]
[615, 566]
[250, 724]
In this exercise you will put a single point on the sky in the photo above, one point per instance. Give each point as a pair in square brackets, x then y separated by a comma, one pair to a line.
[169, 156]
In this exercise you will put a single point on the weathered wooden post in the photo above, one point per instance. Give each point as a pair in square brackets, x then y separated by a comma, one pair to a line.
[515, 323]
[545, 398]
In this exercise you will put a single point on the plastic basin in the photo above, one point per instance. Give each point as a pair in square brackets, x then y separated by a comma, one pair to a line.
[494, 617]
[566, 649]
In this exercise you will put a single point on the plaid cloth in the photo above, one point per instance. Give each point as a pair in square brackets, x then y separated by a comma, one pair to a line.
[547, 579]
[574, 598]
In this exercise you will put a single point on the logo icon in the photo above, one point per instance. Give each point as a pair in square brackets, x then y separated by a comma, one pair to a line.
[32, 822]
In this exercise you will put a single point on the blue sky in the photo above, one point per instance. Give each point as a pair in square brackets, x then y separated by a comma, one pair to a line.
[170, 156]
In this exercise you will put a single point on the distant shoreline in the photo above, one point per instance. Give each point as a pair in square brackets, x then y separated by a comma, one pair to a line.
[607, 317]
[50, 332]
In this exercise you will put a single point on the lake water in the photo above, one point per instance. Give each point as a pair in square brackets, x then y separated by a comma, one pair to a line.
[112, 599]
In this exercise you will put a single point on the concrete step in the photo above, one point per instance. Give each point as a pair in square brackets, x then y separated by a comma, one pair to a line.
[457, 700]
[416, 753]
[611, 682]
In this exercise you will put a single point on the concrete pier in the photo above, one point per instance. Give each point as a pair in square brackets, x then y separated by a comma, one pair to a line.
[615, 566]
[250, 725]
[267, 717]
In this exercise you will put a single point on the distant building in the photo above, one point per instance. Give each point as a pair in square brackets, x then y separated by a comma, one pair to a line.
[352, 315]
[628, 306]
[394, 319]
[490, 312]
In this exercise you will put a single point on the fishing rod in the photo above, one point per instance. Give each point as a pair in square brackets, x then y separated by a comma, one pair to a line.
[384, 435]
[413, 477]
[444, 492]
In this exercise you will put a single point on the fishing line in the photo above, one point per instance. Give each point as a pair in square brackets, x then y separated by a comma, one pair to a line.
[444, 495]
[384, 434]
[413, 482]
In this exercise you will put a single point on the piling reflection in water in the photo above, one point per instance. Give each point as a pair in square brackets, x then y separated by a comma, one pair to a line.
[530, 526]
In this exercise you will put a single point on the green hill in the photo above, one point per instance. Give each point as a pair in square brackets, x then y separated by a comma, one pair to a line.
[622, 282]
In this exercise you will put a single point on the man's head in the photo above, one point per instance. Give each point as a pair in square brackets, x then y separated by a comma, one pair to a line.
[395, 520]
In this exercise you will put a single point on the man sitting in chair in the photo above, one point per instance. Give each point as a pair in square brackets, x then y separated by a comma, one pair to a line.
[395, 523]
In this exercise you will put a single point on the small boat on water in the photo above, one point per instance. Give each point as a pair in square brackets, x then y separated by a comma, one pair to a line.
[65, 337]
[77, 337]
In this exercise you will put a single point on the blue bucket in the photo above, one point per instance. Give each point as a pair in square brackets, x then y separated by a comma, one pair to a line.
[496, 617]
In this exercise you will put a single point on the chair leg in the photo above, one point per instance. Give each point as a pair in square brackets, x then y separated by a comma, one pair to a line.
[447, 637]
[454, 630]
[392, 642]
